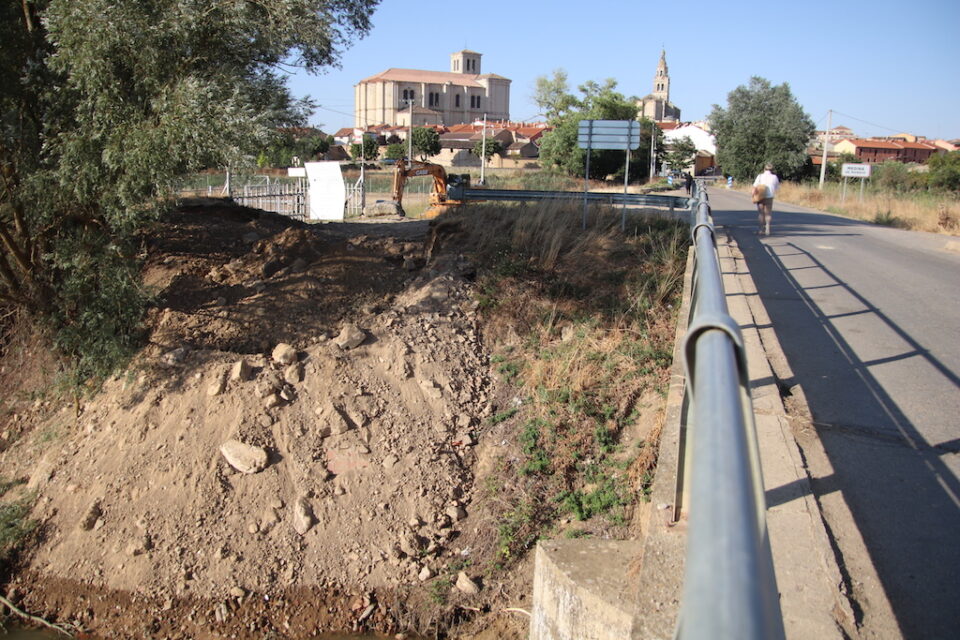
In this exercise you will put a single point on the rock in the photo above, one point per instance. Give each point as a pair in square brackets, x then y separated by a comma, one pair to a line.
[294, 373]
[139, 546]
[302, 515]
[410, 264]
[245, 458]
[425, 573]
[466, 585]
[271, 401]
[351, 336]
[284, 354]
[456, 513]
[217, 386]
[390, 461]
[250, 237]
[91, 516]
[238, 592]
[241, 371]
[270, 267]
[175, 357]
[299, 266]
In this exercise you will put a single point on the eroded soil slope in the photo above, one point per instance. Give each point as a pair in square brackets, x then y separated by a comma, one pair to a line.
[366, 491]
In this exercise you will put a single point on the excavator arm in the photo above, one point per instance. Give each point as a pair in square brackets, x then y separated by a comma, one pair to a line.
[415, 168]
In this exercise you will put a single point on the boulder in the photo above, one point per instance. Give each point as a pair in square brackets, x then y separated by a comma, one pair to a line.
[284, 354]
[245, 458]
[351, 336]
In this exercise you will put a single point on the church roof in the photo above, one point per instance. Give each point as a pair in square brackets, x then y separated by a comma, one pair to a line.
[429, 77]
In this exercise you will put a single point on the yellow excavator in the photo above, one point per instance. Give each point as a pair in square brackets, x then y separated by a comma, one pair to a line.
[439, 200]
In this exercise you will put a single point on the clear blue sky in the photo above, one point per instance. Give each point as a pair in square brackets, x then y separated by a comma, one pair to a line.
[890, 63]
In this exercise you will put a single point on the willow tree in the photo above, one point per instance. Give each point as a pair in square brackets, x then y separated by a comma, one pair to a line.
[105, 105]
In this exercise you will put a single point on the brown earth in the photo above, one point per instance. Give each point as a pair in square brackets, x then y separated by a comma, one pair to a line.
[368, 505]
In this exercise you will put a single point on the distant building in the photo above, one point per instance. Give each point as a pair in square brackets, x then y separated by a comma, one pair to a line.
[656, 106]
[875, 150]
[704, 141]
[831, 137]
[441, 98]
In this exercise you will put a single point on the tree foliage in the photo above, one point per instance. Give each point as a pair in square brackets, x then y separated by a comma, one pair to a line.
[762, 123]
[426, 142]
[105, 105]
[596, 102]
[681, 154]
[395, 151]
[945, 171]
[371, 149]
[487, 150]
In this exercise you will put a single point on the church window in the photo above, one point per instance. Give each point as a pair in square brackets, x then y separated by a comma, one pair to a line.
[456, 100]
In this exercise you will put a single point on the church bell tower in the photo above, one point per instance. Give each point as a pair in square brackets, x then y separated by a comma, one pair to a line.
[661, 81]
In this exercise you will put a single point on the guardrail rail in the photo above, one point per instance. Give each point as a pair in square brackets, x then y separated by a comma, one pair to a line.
[729, 590]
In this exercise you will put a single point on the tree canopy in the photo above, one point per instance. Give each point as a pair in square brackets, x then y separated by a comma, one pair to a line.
[371, 149]
[762, 123]
[426, 142]
[105, 105]
[487, 150]
[681, 154]
[596, 102]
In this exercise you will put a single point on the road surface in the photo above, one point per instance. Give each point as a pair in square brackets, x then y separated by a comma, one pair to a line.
[869, 320]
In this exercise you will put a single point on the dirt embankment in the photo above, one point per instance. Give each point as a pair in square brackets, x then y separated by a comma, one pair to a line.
[350, 496]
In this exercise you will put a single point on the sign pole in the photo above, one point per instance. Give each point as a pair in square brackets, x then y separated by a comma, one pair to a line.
[626, 179]
[586, 174]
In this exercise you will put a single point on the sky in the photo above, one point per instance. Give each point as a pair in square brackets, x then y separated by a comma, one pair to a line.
[882, 66]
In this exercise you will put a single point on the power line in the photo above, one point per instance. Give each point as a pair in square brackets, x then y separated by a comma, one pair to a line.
[872, 124]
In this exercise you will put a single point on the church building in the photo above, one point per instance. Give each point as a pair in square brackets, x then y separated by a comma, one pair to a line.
[459, 96]
[657, 106]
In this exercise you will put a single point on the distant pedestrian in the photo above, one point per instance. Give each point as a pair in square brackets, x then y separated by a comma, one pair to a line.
[770, 184]
[687, 182]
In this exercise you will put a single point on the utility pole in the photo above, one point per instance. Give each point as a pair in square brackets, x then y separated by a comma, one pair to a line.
[410, 133]
[483, 148]
[826, 136]
[653, 149]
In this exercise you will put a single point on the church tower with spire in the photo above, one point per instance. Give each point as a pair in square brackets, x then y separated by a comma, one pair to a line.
[661, 81]
[656, 105]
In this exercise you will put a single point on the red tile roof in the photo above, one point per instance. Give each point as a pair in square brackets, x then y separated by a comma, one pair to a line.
[875, 144]
[430, 77]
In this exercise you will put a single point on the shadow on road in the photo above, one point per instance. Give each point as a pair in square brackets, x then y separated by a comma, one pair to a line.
[902, 495]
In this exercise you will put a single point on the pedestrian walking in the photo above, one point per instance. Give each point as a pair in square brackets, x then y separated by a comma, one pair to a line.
[687, 182]
[765, 187]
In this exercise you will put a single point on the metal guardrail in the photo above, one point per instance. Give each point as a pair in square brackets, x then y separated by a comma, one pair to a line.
[640, 199]
[730, 590]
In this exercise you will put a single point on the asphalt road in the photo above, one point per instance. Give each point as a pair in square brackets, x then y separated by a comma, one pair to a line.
[868, 318]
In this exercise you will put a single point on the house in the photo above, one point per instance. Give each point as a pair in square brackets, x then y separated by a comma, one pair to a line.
[443, 98]
[704, 141]
[875, 150]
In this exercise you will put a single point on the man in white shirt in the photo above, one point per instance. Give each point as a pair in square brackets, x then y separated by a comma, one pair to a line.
[765, 206]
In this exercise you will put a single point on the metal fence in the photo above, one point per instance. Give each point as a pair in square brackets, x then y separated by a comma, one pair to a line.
[730, 589]
[285, 198]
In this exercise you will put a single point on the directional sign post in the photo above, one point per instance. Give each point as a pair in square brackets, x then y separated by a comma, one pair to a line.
[607, 134]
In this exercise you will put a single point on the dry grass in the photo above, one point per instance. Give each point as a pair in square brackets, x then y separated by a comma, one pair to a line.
[918, 212]
[582, 323]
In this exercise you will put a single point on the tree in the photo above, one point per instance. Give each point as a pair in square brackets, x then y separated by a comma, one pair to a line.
[552, 95]
[395, 151]
[945, 171]
[762, 123]
[426, 142]
[597, 102]
[370, 149]
[105, 105]
[487, 150]
[681, 154]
